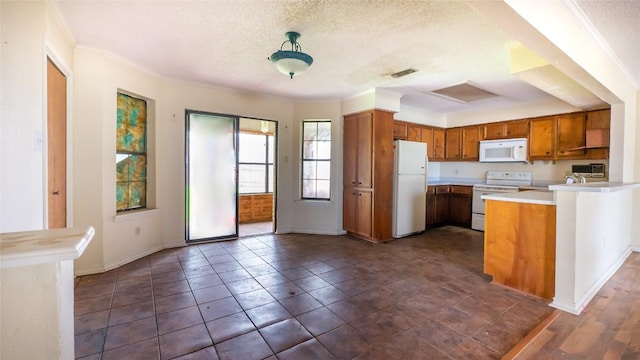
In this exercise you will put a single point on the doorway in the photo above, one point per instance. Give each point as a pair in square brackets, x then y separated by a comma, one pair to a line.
[56, 147]
[230, 173]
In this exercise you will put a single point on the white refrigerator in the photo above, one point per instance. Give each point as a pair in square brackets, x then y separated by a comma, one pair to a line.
[409, 187]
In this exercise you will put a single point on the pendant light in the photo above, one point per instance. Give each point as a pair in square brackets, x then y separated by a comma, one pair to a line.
[291, 62]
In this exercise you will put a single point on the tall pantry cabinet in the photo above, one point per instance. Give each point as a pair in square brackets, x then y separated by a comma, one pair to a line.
[368, 175]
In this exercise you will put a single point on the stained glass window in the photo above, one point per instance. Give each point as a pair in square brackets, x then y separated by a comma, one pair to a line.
[131, 153]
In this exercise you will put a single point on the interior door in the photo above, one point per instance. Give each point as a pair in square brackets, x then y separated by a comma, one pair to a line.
[211, 177]
[56, 147]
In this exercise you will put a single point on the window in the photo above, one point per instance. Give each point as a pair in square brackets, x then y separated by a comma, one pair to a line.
[131, 153]
[316, 160]
[255, 163]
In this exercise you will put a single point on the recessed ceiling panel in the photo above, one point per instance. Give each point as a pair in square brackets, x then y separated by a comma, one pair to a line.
[464, 93]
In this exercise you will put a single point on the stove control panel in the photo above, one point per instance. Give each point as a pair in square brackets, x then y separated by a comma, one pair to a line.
[510, 175]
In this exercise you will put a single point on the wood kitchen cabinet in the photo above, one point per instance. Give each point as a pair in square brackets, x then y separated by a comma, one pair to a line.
[570, 141]
[542, 138]
[438, 144]
[517, 128]
[453, 149]
[399, 130]
[426, 136]
[459, 212]
[494, 131]
[448, 204]
[598, 134]
[471, 143]
[414, 133]
[368, 175]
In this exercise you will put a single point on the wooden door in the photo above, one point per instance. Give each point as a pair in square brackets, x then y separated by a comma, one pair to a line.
[571, 136]
[470, 143]
[542, 138]
[365, 150]
[349, 211]
[56, 146]
[399, 130]
[494, 131]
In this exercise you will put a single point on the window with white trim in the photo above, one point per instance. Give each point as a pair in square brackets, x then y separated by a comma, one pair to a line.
[316, 160]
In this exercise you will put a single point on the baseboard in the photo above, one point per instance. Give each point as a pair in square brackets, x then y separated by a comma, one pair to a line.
[531, 336]
[126, 260]
[635, 248]
[318, 232]
[577, 307]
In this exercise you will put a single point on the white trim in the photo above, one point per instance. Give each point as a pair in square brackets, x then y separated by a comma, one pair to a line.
[316, 232]
[579, 305]
[585, 24]
[135, 214]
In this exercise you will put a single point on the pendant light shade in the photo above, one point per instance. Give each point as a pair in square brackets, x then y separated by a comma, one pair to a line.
[291, 62]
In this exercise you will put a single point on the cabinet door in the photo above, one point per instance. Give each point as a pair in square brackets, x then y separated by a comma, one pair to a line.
[399, 130]
[494, 131]
[470, 143]
[442, 208]
[542, 138]
[571, 136]
[364, 214]
[460, 209]
[349, 212]
[426, 136]
[438, 144]
[350, 148]
[364, 150]
[414, 133]
[517, 128]
[453, 145]
[598, 119]
[431, 206]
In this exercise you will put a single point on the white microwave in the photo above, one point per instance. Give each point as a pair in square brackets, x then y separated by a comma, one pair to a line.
[506, 150]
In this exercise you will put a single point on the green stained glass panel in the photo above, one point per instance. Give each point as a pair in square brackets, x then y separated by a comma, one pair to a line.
[131, 124]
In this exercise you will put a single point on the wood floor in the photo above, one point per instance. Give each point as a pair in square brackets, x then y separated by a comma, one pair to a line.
[608, 328]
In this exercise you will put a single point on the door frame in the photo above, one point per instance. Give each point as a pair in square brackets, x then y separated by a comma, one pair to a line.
[51, 54]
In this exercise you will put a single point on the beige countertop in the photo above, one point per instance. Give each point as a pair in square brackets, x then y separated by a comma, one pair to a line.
[43, 246]
[605, 186]
[529, 197]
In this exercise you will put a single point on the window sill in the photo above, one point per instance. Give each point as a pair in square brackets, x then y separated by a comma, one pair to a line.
[135, 214]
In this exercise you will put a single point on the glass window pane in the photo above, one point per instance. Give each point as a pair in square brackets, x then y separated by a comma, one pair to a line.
[272, 175]
[251, 178]
[308, 188]
[324, 131]
[272, 149]
[131, 123]
[324, 150]
[323, 170]
[253, 148]
[323, 189]
[309, 149]
[310, 131]
[309, 170]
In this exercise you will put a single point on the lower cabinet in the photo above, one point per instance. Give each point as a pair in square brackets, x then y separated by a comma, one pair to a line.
[358, 212]
[449, 204]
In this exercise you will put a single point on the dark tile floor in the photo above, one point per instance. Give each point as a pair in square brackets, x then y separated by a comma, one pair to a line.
[304, 297]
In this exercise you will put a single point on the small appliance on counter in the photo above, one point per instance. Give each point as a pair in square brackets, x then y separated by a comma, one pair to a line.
[590, 172]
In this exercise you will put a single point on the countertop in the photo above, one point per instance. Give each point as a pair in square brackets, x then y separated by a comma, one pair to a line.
[604, 186]
[43, 246]
[528, 197]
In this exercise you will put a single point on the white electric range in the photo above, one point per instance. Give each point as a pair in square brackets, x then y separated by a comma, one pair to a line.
[495, 182]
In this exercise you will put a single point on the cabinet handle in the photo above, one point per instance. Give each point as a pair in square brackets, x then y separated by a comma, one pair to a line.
[359, 183]
[56, 193]
[359, 194]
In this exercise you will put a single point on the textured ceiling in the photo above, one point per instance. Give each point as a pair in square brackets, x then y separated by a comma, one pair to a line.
[356, 45]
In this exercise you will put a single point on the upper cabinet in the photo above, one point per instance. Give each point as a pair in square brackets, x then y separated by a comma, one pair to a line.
[575, 136]
[571, 136]
[453, 149]
[471, 136]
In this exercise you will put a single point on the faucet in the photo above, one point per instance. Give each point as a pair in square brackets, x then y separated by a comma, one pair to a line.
[575, 178]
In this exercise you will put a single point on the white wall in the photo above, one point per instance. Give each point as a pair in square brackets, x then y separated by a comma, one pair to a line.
[317, 217]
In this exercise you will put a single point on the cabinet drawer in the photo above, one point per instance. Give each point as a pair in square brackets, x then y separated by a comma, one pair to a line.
[442, 189]
[461, 189]
[431, 190]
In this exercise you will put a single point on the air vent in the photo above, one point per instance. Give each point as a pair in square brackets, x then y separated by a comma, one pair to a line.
[464, 93]
[403, 73]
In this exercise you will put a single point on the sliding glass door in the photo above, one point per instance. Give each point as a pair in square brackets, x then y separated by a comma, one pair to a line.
[211, 177]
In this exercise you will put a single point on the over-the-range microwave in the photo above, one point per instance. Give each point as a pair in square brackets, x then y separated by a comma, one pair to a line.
[505, 150]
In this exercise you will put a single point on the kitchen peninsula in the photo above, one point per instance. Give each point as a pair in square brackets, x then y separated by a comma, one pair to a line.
[519, 241]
